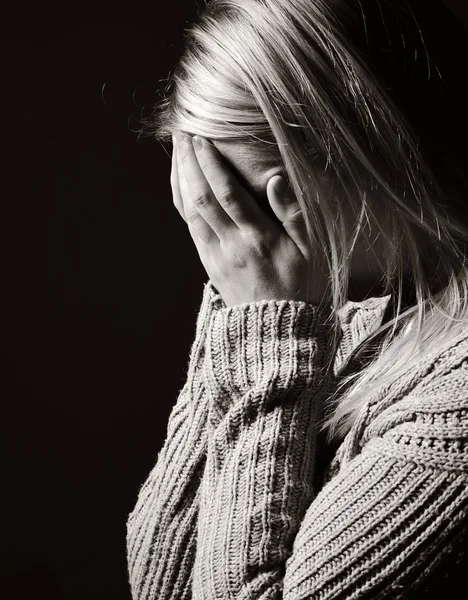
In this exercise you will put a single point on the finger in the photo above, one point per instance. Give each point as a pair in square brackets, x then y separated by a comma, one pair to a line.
[286, 207]
[237, 202]
[200, 196]
[197, 225]
[176, 195]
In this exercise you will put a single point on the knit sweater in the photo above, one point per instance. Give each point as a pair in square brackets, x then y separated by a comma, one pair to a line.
[234, 507]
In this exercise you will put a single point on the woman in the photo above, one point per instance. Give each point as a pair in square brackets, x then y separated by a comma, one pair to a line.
[319, 447]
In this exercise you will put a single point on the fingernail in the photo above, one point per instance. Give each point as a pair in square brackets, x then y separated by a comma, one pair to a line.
[182, 138]
[197, 142]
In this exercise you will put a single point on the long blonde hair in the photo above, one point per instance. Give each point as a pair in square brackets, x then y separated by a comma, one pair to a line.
[358, 101]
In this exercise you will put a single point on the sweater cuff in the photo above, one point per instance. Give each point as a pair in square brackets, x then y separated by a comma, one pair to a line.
[271, 345]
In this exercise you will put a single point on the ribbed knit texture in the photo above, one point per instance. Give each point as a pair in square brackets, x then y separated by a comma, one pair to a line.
[232, 509]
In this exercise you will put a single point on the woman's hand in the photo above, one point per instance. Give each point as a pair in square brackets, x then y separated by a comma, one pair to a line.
[247, 255]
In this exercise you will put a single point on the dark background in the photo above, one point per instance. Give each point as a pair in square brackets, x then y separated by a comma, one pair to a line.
[103, 284]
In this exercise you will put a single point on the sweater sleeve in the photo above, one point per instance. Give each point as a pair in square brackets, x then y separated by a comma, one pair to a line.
[398, 509]
[161, 529]
[382, 523]
[265, 367]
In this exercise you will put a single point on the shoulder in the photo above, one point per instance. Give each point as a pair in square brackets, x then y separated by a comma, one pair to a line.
[424, 417]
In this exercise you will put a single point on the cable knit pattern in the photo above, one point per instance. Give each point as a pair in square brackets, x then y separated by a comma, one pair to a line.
[358, 320]
[231, 509]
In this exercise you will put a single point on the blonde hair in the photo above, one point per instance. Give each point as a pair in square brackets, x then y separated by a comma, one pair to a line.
[336, 91]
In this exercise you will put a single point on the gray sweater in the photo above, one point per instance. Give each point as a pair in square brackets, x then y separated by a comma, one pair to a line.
[234, 507]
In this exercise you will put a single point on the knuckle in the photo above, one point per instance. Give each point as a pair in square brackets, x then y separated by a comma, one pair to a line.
[226, 196]
[192, 215]
[200, 199]
[260, 244]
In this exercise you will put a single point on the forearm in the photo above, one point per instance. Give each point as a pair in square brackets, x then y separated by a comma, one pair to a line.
[265, 368]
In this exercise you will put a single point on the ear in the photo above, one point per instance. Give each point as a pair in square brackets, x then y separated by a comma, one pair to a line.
[288, 211]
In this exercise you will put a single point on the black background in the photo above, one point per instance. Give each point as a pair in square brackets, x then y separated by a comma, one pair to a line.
[103, 284]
